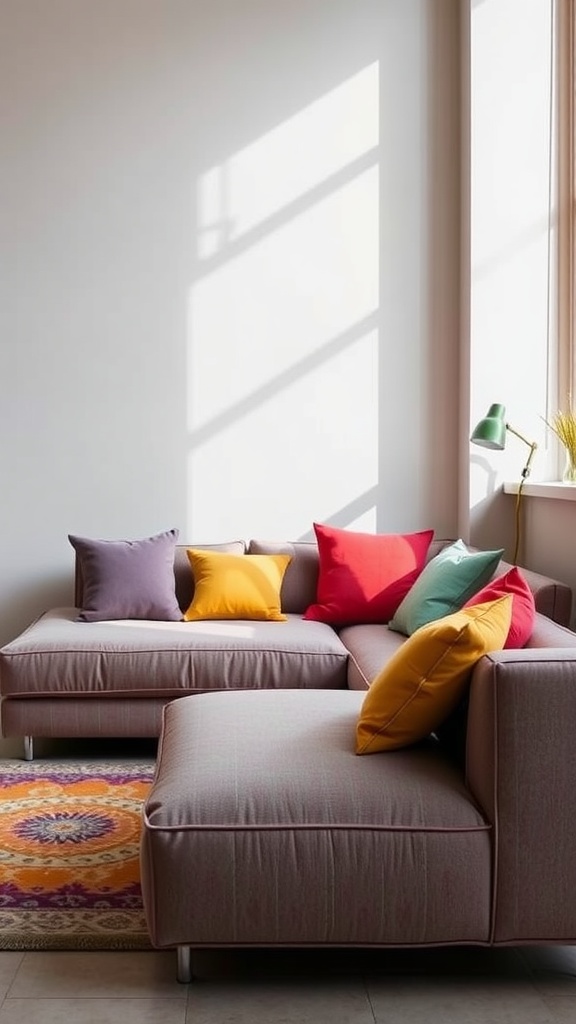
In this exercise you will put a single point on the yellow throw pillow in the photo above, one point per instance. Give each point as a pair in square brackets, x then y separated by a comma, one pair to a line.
[427, 677]
[236, 586]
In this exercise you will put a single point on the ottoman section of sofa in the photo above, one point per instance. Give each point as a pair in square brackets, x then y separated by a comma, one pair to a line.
[263, 827]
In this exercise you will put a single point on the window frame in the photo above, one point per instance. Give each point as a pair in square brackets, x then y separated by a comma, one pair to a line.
[566, 56]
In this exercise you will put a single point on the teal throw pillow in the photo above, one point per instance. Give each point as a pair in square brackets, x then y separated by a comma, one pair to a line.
[444, 586]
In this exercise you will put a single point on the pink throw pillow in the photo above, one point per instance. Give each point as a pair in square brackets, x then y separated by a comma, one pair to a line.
[523, 606]
[363, 577]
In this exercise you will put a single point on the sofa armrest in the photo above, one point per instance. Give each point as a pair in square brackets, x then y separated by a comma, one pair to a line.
[521, 768]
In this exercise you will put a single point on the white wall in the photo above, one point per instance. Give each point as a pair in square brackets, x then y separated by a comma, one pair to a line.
[230, 274]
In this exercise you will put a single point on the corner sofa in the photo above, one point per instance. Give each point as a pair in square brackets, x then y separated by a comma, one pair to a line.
[67, 678]
[263, 827]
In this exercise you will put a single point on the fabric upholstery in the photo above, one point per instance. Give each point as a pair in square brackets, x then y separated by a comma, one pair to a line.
[370, 647]
[425, 679]
[444, 586]
[520, 758]
[332, 844]
[127, 579]
[84, 715]
[301, 577]
[364, 576]
[236, 586]
[183, 573]
[57, 655]
[514, 583]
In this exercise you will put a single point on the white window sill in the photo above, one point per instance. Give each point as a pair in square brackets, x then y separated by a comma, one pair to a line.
[545, 489]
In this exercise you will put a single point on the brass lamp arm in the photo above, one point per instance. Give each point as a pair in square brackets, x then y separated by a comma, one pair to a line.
[532, 446]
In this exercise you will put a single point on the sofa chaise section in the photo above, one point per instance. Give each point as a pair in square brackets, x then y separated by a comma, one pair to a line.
[285, 837]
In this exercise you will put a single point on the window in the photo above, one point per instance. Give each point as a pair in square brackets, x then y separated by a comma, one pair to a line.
[566, 41]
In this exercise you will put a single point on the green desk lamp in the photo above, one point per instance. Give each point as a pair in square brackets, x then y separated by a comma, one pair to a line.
[491, 433]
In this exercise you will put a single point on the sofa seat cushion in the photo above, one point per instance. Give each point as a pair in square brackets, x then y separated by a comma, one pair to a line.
[59, 655]
[262, 793]
[370, 647]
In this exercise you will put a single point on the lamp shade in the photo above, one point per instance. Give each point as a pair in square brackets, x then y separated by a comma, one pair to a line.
[491, 431]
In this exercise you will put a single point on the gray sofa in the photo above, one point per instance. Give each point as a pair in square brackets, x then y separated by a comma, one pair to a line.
[263, 827]
[63, 678]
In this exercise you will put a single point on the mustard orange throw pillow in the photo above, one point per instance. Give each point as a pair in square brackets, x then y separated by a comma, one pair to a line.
[523, 605]
[427, 677]
[230, 586]
[363, 577]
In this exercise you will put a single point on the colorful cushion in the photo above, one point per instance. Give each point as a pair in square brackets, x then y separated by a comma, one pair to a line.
[364, 576]
[444, 586]
[523, 606]
[427, 676]
[236, 586]
[185, 579]
[127, 579]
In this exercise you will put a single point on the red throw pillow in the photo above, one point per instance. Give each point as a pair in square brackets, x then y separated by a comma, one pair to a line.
[363, 577]
[523, 606]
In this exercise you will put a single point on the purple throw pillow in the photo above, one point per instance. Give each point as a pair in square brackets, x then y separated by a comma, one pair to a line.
[127, 579]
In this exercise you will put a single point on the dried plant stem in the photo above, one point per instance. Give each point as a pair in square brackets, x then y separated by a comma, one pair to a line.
[563, 424]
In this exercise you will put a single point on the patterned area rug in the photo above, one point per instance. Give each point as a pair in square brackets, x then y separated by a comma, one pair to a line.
[69, 854]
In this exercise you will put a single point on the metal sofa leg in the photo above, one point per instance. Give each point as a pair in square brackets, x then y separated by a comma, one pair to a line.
[28, 748]
[184, 972]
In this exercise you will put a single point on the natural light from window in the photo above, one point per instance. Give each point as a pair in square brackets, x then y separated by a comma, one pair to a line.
[282, 341]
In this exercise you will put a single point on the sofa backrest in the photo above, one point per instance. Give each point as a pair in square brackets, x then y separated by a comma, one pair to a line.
[300, 584]
[552, 598]
[183, 570]
[300, 581]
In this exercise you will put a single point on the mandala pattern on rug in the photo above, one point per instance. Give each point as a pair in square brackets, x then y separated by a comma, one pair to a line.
[69, 855]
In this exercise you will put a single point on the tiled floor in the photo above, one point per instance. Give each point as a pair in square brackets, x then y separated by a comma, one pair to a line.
[459, 986]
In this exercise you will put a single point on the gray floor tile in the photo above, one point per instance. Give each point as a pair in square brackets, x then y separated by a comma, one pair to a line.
[459, 985]
[281, 1001]
[9, 964]
[94, 975]
[444, 1000]
[93, 1011]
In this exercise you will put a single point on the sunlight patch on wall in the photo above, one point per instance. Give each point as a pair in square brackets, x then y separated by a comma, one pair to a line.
[283, 299]
[282, 339]
[286, 163]
[311, 447]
